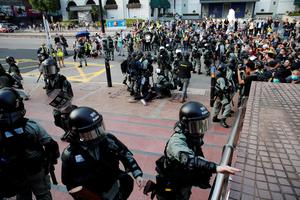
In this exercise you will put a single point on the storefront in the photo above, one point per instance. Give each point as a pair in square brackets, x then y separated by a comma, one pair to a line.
[219, 9]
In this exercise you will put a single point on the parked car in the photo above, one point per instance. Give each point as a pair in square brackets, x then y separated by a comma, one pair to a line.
[4, 28]
[13, 26]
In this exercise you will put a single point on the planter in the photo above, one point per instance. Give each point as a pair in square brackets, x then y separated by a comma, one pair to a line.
[111, 6]
[134, 5]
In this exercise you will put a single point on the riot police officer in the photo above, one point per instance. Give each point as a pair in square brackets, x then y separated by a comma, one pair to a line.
[222, 97]
[90, 164]
[184, 73]
[111, 47]
[54, 80]
[6, 80]
[14, 70]
[27, 152]
[163, 61]
[61, 101]
[183, 165]
[42, 53]
[196, 58]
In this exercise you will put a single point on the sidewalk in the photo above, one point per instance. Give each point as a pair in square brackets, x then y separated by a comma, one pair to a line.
[268, 152]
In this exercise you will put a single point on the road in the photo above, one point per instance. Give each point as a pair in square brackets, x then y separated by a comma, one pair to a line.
[24, 50]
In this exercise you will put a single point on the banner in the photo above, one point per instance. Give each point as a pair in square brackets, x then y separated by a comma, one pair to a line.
[20, 11]
[239, 9]
[215, 10]
[6, 10]
[116, 23]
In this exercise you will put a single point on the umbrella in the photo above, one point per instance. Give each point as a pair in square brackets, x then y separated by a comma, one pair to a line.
[82, 33]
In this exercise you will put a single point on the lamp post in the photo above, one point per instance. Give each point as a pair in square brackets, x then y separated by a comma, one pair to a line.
[101, 17]
[107, 57]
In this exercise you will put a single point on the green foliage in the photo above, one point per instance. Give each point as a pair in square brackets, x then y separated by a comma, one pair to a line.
[66, 23]
[295, 13]
[130, 21]
[45, 5]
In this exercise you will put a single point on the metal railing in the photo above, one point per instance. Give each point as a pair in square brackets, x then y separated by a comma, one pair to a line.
[219, 189]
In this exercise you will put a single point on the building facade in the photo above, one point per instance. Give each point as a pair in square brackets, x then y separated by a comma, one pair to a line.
[189, 9]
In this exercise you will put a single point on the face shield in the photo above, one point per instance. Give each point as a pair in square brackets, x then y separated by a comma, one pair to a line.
[197, 128]
[92, 137]
[49, 70]
[59, 99]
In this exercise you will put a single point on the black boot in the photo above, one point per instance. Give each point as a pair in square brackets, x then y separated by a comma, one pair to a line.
[216, 119]
[223, 123]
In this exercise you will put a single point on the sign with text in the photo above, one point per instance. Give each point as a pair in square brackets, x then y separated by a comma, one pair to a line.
[116, 23]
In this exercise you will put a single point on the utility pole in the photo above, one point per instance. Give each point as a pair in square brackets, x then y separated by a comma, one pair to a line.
[105, 42]
[101, 16]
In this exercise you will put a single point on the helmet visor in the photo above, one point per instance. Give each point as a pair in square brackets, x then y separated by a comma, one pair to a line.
[198, 127]
[97, 133]
[49, 69]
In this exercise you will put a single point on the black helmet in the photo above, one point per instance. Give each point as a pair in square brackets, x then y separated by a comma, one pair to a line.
[222, 68]
[194, 117]
[186, 56]
[10, 60]
[11, 107]
[49, 67]
[86, 125]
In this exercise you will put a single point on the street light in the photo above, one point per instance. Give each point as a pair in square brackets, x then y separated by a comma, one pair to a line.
[107, 57]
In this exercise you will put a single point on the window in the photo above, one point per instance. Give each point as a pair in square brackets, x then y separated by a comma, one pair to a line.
[111, 2]
[90, 2]
[133, 1]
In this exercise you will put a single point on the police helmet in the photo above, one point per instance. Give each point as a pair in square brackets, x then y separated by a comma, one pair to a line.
[194, 117]
[10, 60]
[11, 107]
[87, 126]
[49, 67]
[161, 48]
[222, 68]
[186, 56]
[59, 99]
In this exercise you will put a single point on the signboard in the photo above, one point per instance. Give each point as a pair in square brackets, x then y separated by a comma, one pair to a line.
[6, 10]
[116, 23]
[19, 11]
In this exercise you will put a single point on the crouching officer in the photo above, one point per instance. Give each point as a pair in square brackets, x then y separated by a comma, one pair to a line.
[61, 101]
[222, 97]
[27, 152]
[90, 164]
[183, 165]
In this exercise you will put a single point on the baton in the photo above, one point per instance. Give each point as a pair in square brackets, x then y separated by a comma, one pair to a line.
[39, 77]
[52, 174]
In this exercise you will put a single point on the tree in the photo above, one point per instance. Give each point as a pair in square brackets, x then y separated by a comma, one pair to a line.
[45, 6]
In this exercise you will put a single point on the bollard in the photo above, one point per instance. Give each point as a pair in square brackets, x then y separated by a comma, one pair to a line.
[107, 69]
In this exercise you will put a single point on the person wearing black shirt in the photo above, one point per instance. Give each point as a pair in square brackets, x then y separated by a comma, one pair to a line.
[250, 76]
[184, 73]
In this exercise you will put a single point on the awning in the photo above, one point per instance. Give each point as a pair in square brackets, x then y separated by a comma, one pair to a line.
[297, 2]
[229, 1]
[160, 4]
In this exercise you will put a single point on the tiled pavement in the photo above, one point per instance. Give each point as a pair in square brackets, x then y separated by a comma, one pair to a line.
[144, 129]
[269, 147]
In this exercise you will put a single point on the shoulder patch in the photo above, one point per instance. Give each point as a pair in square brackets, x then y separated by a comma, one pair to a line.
[79, 158]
